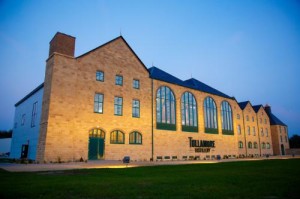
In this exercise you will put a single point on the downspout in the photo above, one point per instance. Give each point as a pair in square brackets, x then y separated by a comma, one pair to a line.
[152, 130]
[245, 133]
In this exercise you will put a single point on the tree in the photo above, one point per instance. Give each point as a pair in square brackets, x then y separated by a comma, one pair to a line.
[5, 134]
[295, 141]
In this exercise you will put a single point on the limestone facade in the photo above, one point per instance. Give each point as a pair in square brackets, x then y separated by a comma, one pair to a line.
[68, 114]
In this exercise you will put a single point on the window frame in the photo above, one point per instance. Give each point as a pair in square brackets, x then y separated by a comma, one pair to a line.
[34, 114]
[98, 76]
[117, 105]
[98, 103]
[226, 118]
[189, 112]
[136, 109]
[119, 80]
[117, 141]
[135, 139]
[136, 84]
[210, 116]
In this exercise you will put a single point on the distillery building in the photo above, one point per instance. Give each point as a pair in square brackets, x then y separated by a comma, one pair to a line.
[106, 104]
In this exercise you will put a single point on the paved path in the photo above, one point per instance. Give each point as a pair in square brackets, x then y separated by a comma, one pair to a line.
[13, 167]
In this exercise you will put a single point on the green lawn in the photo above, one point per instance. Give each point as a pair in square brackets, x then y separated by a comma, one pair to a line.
[269, 179]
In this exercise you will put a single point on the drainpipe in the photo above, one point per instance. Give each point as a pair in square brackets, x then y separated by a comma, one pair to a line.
[152, 136]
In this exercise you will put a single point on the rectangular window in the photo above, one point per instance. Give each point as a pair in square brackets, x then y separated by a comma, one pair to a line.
[252, 119]
[34, 114]
[118, 105]
[136, 84]
[119, 80]
[281, 138]
[253, 129]
[248, 128]
[100, 76]
[98, 103]
[135, 108]
[23, 119]
[239, 129]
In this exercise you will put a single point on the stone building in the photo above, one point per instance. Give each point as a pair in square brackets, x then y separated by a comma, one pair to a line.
[106, 104]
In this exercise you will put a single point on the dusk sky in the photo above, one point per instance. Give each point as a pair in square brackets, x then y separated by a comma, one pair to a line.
[246, 49]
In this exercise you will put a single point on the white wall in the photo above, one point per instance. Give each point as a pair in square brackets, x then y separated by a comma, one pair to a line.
[26, 134]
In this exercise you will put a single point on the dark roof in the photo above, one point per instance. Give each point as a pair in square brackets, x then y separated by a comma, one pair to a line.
[257, 107]
[158, 74]
[30, 94]
[243, 104]
[275, 121]
[111, 41]
[196, 84]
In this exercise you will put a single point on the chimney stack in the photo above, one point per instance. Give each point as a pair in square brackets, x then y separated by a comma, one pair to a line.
[268, 109]
[63, 44]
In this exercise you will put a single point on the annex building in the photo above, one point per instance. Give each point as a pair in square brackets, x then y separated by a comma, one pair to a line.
[106, 104]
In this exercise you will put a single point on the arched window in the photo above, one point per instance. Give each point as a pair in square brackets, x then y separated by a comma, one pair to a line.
[268, 145]
[226, 115]
[97, 133]
[255, 145]
[210, 116]
[117, 137]
[250, 145]
[241, 145]
[263, 145]
[189, 119]
[165, 109]
[135, 138]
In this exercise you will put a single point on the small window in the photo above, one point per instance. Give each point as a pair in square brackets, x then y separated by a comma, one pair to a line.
[135, 138]
[136, 84]
[260, 120]
[98, 103]
[135, 108]
[100, 76]
[117, 137]
[267, 132]
[263, 145]
[252, 119]
[238, 116]
[262, 132]
[255, 145]
[265, 121]
[34, 114]
[250, 145]
[247, 117]
[241, 145]
[268, 145]
[118, 105]
[248, 129]
[239, 129]
[119, 80]
[23, 119]
[253, 130]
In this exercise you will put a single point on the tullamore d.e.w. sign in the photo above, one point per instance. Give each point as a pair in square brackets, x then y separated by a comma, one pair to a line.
[202, 146]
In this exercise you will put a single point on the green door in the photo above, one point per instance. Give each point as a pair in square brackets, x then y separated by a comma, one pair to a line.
[96, 144]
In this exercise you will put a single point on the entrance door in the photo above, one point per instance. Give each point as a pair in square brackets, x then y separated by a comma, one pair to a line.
[282, 150]
[96, 144]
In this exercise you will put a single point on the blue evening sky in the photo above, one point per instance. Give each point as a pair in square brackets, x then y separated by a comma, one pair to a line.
[246, 49]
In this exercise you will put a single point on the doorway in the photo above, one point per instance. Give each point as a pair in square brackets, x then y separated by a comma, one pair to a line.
[96, 144]
[282, 150]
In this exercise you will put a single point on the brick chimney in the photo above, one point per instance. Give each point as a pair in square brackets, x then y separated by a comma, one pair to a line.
[268, 109]
[63, 44]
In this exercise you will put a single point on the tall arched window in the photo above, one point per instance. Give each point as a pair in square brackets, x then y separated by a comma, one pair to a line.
[210, 116]
[226, 115]
[135, 138]
[189, 119]
[165, 109]
[117, 137]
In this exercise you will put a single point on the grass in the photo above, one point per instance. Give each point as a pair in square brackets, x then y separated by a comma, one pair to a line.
[269, 179]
